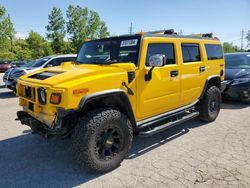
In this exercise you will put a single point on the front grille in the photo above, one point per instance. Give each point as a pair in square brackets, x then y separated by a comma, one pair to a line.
[30, 93]
[31, 106]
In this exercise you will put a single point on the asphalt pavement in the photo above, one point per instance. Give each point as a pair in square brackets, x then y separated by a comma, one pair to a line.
[194, 154]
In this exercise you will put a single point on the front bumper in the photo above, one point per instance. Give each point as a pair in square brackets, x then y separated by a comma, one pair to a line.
[3, 69]
[223, 85]
[40, 127]
[10, 83]
[237, 91]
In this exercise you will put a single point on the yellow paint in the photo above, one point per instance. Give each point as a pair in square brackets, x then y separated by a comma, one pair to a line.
[161, 94]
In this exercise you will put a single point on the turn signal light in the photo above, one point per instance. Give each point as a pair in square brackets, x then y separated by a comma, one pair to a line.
[55, 98]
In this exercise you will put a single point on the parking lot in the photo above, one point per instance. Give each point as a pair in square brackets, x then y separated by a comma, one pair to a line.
[191, 155]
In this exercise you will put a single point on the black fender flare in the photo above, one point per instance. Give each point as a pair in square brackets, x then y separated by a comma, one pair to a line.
[113, 95]
[208, 81]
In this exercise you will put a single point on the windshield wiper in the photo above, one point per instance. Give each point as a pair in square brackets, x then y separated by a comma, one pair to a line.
[79, 62]
[98, 62]
[110, 61]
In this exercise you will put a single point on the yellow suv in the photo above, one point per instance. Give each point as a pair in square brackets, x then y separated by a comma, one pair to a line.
[143, 83]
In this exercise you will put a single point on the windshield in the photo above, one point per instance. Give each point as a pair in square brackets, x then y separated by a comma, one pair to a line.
[3, 63]
[111, 50]
[237, 61]
[38, 62]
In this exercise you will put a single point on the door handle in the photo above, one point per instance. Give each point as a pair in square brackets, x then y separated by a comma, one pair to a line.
[202, 69]
[174, 73]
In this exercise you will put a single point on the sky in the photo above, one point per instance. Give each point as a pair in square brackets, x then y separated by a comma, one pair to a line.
[225, 18]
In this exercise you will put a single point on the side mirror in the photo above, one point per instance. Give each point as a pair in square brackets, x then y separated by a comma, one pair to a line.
[156, 60]
[49, 65]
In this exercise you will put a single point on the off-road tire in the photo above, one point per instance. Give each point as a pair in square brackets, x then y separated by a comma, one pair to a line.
[87, 132]
[206, 107]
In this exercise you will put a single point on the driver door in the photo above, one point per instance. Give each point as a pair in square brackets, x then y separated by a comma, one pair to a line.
[162, 92]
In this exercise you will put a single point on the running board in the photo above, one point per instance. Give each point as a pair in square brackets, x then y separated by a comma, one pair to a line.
[148, 123]
[168, 125]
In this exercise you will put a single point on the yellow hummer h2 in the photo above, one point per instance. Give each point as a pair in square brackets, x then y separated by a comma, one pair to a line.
[143, 83]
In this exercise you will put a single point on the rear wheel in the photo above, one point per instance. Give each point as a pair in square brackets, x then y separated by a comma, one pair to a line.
[102, 139]
[209, 106]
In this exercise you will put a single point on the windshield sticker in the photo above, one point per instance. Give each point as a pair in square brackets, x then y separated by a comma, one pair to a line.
[131, 42]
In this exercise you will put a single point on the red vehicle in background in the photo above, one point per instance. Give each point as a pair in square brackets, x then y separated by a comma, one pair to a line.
[4, 65]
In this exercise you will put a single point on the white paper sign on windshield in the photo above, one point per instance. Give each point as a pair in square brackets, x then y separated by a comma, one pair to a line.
[131, 42]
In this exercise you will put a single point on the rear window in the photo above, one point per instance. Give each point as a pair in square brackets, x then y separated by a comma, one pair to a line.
[237, 61]
[190, 53]
[214, 51]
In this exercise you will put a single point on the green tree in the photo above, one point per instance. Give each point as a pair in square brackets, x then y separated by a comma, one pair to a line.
[7, 33]
[56, 30]
[102, 30]
[84, 24]
[22, 50]
[38, 45]
[229, 47]
[76, 25]
[248, 38]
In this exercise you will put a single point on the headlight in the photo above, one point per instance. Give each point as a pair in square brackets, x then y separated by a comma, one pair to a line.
[240, 80]
[41, 95]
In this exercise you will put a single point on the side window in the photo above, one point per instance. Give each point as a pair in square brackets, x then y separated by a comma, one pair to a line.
[161, 48]
[190, 53]
[60, 61]
[51, 63]
[214, 51]
[67, 59]
[55, 62]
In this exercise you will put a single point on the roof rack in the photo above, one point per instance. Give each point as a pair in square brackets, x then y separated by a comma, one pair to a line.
[163, 32]
[172, 32]
[205, 35]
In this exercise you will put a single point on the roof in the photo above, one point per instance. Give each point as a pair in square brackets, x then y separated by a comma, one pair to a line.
[238, 53]
[179, 36]
[171, 34]
[62, 55]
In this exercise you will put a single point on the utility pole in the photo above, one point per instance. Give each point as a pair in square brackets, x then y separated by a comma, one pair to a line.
[131, 28]
[180, 33]
[242, 37]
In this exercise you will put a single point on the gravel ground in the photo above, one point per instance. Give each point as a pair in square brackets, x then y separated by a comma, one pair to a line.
[191, 155]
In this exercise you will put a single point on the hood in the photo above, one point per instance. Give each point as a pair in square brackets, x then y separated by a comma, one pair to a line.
[67, 72]
[12, 71]
[17, 70]
[236, 73]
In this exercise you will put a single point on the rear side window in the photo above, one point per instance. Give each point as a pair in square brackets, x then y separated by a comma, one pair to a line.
[190, 53]
[166, 49]
[56, 61]
[214, 51]
[66, 59]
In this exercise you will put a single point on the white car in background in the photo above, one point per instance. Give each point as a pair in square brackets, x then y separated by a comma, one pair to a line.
[11, 75]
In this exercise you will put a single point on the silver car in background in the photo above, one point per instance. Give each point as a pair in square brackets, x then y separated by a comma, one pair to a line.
[11, 75]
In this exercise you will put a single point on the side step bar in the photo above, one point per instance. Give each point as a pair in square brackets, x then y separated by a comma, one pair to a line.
[165, 117]
[169, 124]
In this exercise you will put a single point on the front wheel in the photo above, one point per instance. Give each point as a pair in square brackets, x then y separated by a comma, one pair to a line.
[209, 106]
[102, 139]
